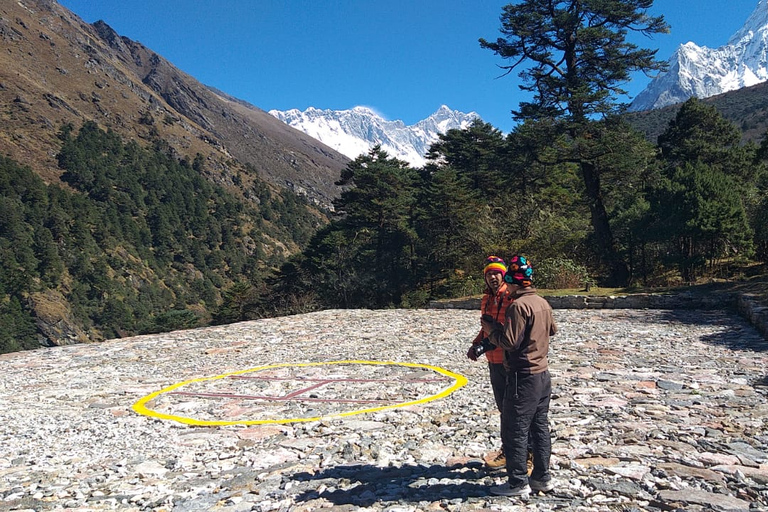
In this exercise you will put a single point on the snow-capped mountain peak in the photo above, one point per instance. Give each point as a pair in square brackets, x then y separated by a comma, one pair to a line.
[355, 131]
[756, 23]
[702, 72]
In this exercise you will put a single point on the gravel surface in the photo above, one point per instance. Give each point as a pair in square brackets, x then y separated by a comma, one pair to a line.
[366, 410]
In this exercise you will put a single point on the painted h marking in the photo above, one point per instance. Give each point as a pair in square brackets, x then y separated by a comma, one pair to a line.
[293, 395]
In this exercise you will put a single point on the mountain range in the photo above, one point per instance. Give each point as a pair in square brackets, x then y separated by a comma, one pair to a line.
[703, 72]
[56, 69]
[355, 131]
[694, 71]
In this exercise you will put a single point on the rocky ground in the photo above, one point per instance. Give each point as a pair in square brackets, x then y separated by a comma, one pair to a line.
[653, 410]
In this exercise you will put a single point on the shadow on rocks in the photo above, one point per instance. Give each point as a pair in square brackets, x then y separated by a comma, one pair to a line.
[735, 336]
[363, 485]
[738, 334]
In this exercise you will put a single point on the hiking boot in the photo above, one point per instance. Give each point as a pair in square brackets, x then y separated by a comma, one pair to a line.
[506, 490]
[539, 486]
[495, 461]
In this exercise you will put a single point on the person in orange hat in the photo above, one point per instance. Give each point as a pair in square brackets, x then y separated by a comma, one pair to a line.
[524, 338]
[493, 306]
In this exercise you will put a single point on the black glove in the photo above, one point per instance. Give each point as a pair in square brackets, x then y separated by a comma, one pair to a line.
[483, 347]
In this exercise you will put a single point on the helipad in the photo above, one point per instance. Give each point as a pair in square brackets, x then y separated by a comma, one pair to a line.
[299, 392]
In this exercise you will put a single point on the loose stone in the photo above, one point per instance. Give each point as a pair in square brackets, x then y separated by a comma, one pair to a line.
[652, 410]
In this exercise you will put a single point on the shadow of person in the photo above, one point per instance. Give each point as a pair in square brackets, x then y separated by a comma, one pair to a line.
[363, 485]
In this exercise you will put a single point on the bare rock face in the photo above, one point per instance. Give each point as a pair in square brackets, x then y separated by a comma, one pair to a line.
[55, 320]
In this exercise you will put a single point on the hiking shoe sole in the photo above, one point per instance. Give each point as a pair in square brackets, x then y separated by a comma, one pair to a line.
[506, 490]
[541, 486]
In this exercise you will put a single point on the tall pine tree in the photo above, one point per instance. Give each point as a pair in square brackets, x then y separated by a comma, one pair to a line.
[378, 209]
[573, 56]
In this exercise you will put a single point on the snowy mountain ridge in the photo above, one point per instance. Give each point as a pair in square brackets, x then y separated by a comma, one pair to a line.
[355, 131]
[703, 72]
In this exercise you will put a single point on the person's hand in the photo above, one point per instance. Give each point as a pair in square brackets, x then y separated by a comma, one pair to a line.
[471, 353]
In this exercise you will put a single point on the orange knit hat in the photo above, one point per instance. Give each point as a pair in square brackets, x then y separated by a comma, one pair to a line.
[494, 263]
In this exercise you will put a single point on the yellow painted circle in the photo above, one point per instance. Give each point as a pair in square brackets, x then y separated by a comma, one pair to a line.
[141, 406]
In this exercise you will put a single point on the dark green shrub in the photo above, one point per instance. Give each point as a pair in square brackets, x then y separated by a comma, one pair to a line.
[560, 273]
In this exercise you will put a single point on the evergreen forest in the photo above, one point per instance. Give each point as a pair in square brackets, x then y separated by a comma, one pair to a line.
[692, 205]
[139, 241]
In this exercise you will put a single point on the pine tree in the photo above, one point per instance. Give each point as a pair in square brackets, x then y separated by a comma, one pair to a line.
[700, 204]
[698, 211]
[475, 152]
[700, 133]
[380, 206]
[573, 56]
[448, 223]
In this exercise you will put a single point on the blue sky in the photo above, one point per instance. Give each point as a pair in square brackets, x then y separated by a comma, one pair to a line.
[402, 58]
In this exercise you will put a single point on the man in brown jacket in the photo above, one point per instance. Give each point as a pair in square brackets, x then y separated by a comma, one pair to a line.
[524, 336]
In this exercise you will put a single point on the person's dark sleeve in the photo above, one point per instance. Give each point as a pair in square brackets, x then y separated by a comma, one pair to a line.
[510, 335]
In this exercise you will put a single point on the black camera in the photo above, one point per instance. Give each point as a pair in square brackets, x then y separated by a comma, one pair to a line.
[483, 347]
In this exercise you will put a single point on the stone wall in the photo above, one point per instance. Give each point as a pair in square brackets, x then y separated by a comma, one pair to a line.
[746, 304]
[750, 308]
[644, 301]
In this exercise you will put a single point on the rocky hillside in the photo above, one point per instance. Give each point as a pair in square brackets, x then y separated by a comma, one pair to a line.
[747, 108]
[57, 69]
[161, 141]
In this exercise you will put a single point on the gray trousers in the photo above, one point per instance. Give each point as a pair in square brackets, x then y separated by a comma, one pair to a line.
[526, 413]
[498, 382]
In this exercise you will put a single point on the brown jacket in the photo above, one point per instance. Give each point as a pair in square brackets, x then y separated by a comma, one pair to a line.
[525, 334]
